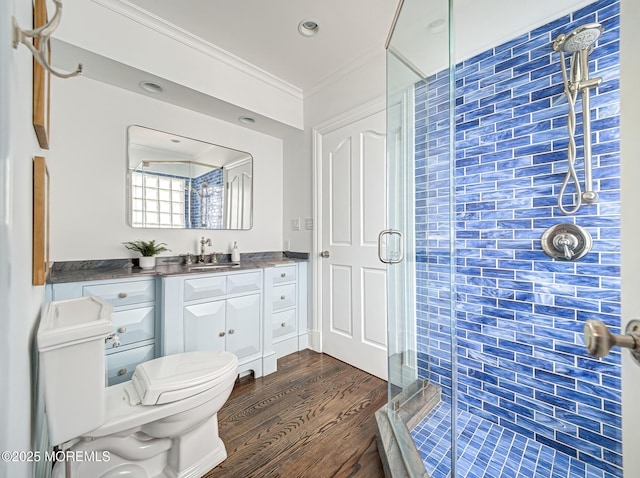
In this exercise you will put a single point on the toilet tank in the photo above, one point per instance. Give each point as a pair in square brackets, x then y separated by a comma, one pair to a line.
[72, 371]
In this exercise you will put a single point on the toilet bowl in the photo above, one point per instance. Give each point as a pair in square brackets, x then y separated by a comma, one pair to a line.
[163, 422]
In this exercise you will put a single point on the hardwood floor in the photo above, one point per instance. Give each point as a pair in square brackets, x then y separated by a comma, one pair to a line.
[314, 418]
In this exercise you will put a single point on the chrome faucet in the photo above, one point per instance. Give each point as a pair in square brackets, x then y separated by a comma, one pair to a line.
[203, 242]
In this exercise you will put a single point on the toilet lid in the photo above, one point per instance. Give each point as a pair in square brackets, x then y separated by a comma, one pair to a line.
[175, 377]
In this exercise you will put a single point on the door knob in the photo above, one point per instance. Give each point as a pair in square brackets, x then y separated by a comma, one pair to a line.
[599, 340]
[324, 254]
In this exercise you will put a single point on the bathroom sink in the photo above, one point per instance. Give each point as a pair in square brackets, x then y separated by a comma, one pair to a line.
[208, 267]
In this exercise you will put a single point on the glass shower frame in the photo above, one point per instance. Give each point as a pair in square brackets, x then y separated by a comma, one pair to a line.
[429, 253]
[413, 389]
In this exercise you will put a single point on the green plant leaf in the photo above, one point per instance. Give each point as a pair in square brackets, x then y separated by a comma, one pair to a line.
[146, 248]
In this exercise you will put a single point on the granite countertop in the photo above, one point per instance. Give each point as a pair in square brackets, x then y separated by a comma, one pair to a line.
[77, 271]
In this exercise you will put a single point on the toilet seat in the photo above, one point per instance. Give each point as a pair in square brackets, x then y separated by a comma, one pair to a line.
[176, 377]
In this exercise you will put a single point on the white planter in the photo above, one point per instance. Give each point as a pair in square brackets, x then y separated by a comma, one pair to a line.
[147, 262]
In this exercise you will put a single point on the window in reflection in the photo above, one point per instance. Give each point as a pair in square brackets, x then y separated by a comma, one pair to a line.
[158, 201]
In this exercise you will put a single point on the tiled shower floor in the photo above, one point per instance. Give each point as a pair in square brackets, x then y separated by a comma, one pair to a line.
[487, 450]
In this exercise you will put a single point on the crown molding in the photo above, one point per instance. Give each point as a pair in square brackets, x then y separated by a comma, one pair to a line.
[344, 71]
[149, 20]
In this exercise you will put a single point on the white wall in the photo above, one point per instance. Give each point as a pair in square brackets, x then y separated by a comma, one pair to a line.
[347, 91]
[87, 164]
[630, 148]
[120, 31]
[20, 302]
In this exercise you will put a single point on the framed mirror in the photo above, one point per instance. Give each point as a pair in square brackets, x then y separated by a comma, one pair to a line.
[178, 182]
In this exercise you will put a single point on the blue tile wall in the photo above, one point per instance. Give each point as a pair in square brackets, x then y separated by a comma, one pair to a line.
[207, 210]
[515, 314]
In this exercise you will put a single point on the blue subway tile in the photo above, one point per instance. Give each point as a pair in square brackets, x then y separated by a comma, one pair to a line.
[511, 157]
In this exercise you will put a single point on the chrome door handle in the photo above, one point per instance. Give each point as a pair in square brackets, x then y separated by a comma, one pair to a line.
[324, 254]
[599, 340]
[390, 260]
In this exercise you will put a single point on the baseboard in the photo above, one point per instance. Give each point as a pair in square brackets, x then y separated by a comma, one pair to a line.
[315, 340]
[286, 347]
[303, 341]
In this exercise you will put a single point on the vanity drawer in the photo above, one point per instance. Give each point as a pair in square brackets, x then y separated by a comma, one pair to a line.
[121, 365]
[249, 282]
[284, 274]
[284, 323]
[205, 287]
[284, 296]
[123, 293]
[134, 325]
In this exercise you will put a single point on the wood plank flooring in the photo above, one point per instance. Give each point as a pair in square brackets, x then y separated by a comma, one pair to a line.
[313, 418]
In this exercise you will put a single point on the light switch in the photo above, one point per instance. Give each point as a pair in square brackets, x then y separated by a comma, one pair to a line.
[295, 224]
[308, 224]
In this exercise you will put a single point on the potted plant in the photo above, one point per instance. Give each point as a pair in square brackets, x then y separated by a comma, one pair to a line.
[148, 250]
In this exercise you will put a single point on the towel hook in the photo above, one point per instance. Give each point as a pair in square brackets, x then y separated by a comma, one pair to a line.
[42, 33]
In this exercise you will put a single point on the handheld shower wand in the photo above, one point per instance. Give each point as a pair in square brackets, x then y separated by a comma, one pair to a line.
[579, 43]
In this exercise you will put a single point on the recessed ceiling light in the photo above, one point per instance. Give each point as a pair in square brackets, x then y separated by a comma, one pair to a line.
[151, 87]
[308, 28]
[246, 119]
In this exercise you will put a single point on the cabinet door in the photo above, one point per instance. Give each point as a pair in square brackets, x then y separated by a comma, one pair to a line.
[243, 325]
[204, 326]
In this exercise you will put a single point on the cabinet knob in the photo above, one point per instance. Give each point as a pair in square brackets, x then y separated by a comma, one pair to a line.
[122, 371]
[283, 324]
[284, 274]
[232, 331]
[122, 330]
[222, 334]
[122, 295]
[282, 297]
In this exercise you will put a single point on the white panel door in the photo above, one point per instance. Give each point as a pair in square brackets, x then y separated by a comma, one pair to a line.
[239, 192]
[354, 294]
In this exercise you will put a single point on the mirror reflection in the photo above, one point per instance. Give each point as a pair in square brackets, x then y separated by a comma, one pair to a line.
[179, 182]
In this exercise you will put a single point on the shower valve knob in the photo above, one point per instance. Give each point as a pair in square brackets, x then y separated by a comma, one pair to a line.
[566, 241]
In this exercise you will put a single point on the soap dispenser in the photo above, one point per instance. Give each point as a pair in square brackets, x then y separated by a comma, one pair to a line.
[235, 253]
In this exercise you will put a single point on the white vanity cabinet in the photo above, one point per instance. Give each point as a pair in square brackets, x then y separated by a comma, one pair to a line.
[218, 311]
[134, 319]
[288, 296]
[258, 314]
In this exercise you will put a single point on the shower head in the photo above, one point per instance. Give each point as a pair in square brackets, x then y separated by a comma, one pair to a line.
[579, 39]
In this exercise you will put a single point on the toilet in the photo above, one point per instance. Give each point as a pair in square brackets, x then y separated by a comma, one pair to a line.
[161, 423]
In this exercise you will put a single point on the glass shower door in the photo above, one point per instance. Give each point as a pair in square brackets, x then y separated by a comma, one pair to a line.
[420, 339]
[494, 380]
